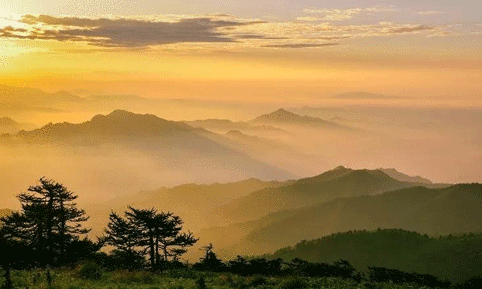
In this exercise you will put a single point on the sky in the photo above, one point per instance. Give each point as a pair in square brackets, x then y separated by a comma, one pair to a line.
[264, 50]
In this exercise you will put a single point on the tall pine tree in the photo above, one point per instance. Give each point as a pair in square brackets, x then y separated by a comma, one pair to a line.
[48, 222]
[157, 235]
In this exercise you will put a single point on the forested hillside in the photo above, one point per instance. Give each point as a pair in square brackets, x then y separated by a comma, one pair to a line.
[451, 257]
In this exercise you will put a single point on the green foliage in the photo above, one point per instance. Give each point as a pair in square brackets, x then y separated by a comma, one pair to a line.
[133, 277]
[69, 279]
[201, 283]
[454, 257]
[257, 280]
[210, 261]
[296, 283]
[90, 271]
[186, 273]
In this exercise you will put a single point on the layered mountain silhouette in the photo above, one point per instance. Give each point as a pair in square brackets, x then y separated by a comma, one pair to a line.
[193, 201]
[120, 125]
[405, 178]
[15, 98]
[284, 117]
[340, 182]
[255, 142]
[456, 209]
[455, 257]
[225, 125]
[18, 99]
[173, 143]
[8, 125]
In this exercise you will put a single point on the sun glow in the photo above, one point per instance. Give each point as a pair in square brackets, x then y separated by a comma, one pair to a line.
[8, 18]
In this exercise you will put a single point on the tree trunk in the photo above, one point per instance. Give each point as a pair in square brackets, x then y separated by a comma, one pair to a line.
[157, 252]
[62, 230]
[151, 247]
[164, 248]
[49, 230]
[8, 284]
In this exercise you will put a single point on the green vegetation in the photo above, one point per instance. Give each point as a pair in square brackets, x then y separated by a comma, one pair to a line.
[69, 279]
[453, 257]
[452, 210]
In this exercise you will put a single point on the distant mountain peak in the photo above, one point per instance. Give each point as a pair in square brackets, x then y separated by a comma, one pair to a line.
[235, 132]
[282, 115]
[66, 96]
[123, 113]
[7, 121]
[282, 111]
[118, 123]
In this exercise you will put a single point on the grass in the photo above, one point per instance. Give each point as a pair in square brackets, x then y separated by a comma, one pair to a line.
[187, 279]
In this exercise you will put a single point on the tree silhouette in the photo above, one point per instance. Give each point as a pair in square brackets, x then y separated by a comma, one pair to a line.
[210, 261]
[6, 245]
[122, 234]
[148, 232]
[48, 222]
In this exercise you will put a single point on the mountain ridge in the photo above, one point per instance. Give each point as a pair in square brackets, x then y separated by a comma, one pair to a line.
[455, 209]
[282, 116]
[340, 182]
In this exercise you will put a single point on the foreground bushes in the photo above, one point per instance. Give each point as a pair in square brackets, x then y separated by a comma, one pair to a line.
[90, 271]
[68, 279]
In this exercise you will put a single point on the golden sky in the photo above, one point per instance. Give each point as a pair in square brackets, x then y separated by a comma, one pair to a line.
[251, 50]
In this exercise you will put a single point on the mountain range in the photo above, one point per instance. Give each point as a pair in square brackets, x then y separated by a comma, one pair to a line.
[340, 182]
[191, 201]
[167, 141]
[9, 126]
[225, 125]
[405, 178]
[454, 209]
[284, 117]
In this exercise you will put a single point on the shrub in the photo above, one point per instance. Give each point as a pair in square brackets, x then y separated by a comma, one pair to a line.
[186, 273]
[130, 277]
[90, 271]
[258, 280]
[74, 287]
[201, 283]
[293, 284]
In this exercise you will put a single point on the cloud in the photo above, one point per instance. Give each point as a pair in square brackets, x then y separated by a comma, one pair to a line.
[128, 32]
[300, 45]
[309, 18]
[342, 14]
[403, 29]
[431, 12]
[209, 32]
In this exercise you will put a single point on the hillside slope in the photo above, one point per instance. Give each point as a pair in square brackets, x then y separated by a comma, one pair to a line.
[284, 117]
[454, 258]
[337, 183]
[457, 209]
[182, 148]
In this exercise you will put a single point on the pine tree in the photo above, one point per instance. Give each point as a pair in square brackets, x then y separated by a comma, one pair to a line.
[49, 220]
[148, 232]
